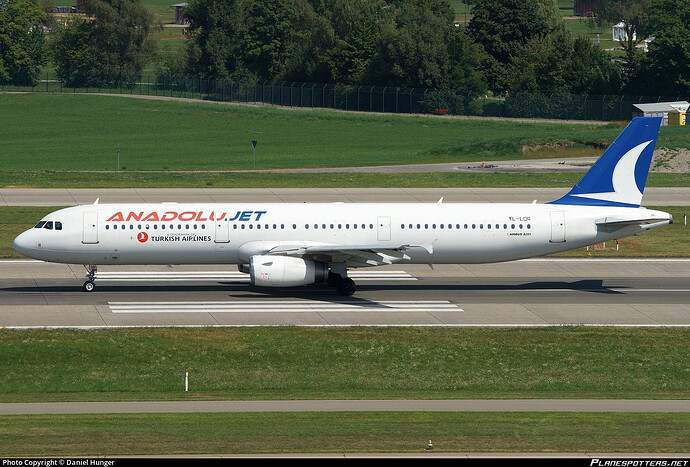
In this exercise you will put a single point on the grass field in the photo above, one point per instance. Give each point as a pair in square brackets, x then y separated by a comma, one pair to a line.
[348, 363]
[82, 132]
[348, 432]
[344, 363]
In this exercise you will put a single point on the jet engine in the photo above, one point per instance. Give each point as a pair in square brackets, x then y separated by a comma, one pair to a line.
[285, 271]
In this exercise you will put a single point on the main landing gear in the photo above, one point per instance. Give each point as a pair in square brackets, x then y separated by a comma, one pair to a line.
[90, 284]
[343, 285]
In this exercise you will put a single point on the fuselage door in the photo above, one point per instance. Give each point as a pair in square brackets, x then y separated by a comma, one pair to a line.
[557, 227]
[90, 232]
[222, 231]
[384, 229]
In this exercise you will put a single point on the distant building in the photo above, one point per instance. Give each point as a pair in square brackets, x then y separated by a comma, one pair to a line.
[660, 109]
[180, 18]
[583, 8]
[620, 34]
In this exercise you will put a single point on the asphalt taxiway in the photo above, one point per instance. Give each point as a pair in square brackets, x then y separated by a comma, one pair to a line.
[662, 196]
[534, 292]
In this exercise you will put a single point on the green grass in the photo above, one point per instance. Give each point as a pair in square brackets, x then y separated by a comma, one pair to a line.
[243, 179]
[44, 131]
[271, 433]
[348, 363]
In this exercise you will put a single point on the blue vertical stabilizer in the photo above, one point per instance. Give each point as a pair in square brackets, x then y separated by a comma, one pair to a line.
[618, 177]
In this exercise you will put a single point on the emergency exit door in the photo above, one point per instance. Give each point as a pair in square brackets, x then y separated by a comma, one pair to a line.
[384, 229]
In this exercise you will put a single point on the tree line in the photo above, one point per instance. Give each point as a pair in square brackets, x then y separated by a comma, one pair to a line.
[507, 47]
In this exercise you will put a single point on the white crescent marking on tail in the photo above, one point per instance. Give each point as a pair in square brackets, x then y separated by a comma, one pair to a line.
[624, 186]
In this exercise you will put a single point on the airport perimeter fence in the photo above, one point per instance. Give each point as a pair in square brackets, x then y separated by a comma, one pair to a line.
[362, 98]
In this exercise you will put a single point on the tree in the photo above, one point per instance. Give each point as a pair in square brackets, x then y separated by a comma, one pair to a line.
[413, 51]
[665, 69]
[214, 34]
[357, 27]
[268, 37]
[111, 48]
[502, 27]
[21, 41]
[559, 63]
[71, 53]
[634, 14]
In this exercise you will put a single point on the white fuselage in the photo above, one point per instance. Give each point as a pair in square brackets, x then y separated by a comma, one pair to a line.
[232, 233]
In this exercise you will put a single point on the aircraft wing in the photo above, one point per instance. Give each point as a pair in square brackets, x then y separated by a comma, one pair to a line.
[366, 255]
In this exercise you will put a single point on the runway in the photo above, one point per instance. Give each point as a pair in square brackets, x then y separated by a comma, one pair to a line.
[452, 405]
[536, 292]
[678, 196]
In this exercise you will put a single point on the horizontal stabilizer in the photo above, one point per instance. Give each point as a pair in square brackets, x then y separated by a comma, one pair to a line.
[616, 222]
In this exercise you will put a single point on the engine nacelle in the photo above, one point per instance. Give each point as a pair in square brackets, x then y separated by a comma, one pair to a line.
[285, 271]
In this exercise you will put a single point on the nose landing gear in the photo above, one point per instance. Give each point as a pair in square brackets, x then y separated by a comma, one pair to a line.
[91, 271]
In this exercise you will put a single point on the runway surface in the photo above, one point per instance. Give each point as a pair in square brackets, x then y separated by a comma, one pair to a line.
[679, 196]
[536, 292]
[455, 405]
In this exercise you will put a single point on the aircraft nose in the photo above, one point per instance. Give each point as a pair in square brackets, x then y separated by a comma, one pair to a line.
[23, 244]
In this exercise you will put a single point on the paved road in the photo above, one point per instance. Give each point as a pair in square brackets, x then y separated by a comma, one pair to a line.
[679, 196]
[507, 405]
[537, 292]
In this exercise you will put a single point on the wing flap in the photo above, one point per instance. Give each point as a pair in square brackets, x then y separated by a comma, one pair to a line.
[371, 254]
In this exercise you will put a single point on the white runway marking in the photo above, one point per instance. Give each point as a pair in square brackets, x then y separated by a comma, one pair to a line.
[166, 276]
[283, 306]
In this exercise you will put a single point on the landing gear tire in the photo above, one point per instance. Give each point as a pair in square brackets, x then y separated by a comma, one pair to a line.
[333, 278]
[345, 287]
[90, 284]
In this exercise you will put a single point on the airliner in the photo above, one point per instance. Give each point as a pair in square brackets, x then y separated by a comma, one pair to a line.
[291, 245]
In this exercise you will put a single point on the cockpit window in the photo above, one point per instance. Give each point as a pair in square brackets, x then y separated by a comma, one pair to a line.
[40, 225]
[48, 225]
[58, 225]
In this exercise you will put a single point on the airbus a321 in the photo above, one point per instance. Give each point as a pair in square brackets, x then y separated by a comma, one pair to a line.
[289, 245]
